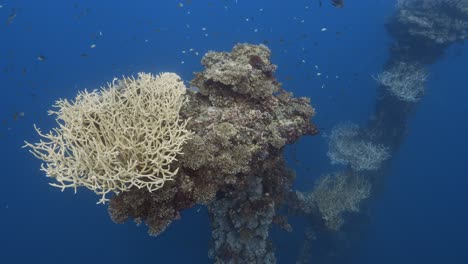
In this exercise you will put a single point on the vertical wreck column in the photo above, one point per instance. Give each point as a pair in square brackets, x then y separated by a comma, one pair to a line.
[247, 121]
[422, 30]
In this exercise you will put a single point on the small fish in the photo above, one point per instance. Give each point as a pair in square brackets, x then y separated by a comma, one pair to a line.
[11, 18]
[41, 58]
[17, 115]
[194, 89]
[338, 3]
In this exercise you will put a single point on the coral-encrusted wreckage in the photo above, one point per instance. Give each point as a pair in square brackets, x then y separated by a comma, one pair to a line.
[221, 143]
[162, 148]
[336, 209]
[241, 121]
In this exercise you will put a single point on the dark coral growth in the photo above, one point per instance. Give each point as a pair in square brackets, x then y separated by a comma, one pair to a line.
[242, 216]
[241, 120]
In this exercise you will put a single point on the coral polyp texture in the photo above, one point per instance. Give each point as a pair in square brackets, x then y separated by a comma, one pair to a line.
[405, 81]
[125, 135]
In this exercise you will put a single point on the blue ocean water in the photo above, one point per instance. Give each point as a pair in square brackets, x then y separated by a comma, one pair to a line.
[52, 49]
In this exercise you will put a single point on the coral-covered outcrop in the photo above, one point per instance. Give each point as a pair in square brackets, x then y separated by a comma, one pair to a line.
[241, 120]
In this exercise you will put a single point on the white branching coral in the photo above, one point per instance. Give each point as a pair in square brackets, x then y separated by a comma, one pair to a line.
[405, 81]
[335, 195]
[441, 21]
[346, 147]
[125, 135]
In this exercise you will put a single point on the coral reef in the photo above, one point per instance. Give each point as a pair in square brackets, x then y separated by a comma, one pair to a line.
[226, 139]
[241, 120]
[221, 146]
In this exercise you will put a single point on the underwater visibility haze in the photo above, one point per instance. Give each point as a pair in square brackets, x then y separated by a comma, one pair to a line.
[232, 131]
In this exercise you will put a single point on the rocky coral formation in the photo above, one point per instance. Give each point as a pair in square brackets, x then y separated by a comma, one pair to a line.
[241, 119]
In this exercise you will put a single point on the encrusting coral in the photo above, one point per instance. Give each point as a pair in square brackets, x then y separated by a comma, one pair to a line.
[125, 135]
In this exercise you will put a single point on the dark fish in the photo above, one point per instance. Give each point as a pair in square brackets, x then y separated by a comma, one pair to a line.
[17, 115]
[338, 3]
[11, 18]
[41, 57]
